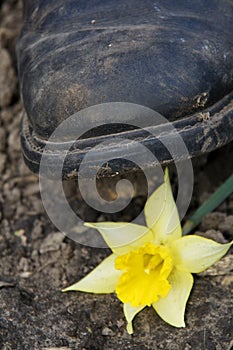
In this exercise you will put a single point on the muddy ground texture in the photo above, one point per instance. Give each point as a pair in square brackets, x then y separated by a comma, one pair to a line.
[36, 261]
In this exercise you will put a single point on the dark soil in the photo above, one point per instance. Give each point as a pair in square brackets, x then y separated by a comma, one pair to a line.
[36, 261]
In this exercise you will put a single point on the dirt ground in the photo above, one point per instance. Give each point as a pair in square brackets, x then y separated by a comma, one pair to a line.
[36, 261]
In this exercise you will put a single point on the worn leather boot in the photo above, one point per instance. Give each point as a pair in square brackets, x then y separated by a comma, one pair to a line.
[175, 57]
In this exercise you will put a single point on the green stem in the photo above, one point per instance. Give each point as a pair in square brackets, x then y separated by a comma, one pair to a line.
[208, 206]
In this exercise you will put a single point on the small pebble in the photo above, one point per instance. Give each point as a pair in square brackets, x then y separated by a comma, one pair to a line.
[107, 331]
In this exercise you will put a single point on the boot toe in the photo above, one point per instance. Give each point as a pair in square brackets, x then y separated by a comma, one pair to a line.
[172, 58]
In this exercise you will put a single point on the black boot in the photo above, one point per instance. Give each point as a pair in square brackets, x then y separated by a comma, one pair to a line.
[175, 57]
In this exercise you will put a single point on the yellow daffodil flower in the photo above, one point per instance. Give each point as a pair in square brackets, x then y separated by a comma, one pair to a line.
[153, 265]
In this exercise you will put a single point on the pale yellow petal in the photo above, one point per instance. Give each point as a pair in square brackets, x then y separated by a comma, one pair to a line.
[121, 237]
[161, 213]
[195, 254]
[172, 308]
[103, 279]
[130, 312]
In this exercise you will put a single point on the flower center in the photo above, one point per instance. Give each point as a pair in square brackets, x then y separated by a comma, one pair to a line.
[145, 275]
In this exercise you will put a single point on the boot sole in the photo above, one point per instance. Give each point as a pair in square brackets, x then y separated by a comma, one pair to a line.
[201, 132]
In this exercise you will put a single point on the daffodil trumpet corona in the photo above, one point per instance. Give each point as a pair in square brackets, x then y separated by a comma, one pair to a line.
[151, 265]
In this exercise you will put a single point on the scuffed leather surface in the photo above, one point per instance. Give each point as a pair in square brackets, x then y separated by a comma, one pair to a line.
[175, 57]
